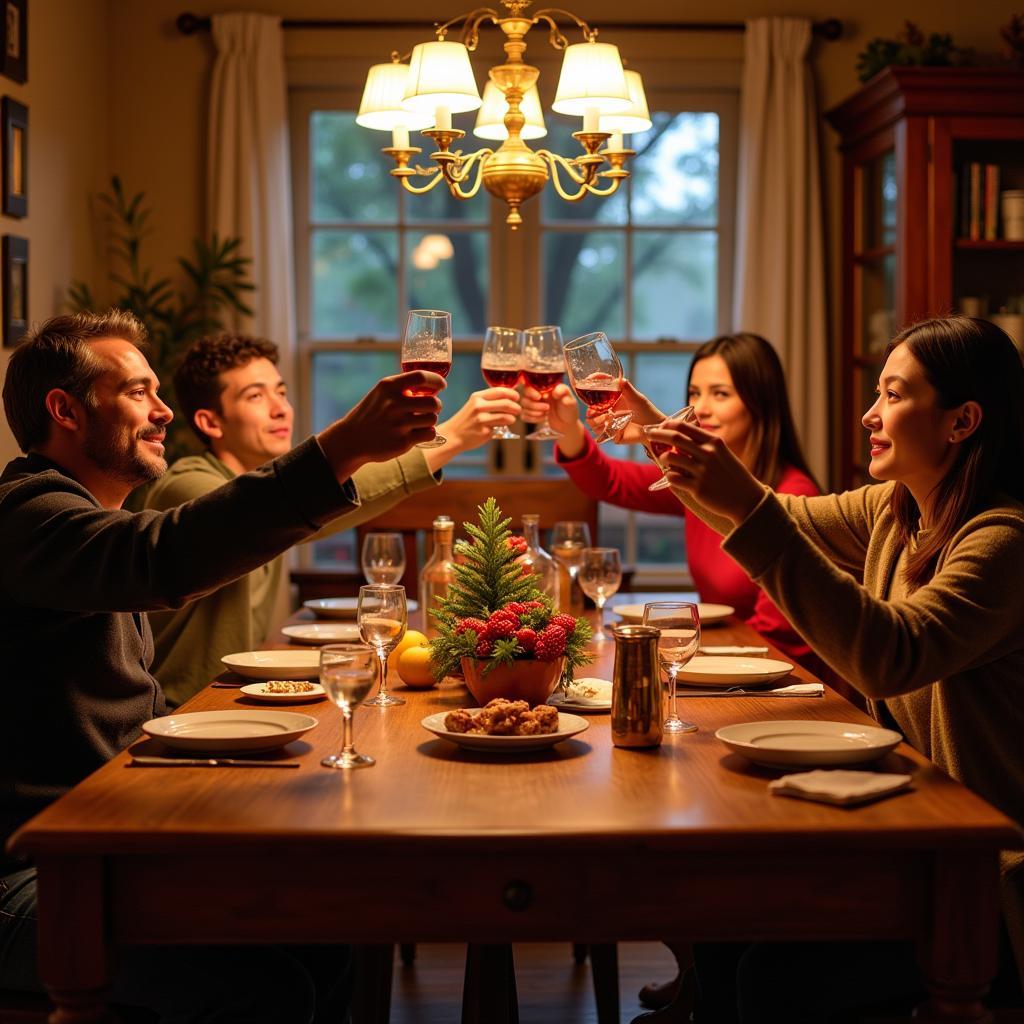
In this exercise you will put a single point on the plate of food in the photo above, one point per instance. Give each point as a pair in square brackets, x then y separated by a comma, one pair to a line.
[505, 726]
[284, 691]
[216, 732]
[297, 664]
[342, 607]
[790, 744]
[722, 670]
[587, 695]
[322, 632]
[709, 613]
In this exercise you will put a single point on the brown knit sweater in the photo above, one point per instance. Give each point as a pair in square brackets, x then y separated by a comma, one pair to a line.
[946, 661]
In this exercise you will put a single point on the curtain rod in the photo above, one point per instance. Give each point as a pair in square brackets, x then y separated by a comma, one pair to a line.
[831, 28]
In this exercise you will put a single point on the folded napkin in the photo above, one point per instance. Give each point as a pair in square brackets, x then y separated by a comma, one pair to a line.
[735, 652]
[595, 692]
[840, 786]
[801, 689]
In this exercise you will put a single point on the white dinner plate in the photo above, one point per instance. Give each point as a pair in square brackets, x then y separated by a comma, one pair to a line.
[709, 613]
[258, 691]
[322, 632]
[568, 725]
[298, 664]
[216, 732]
[575, 700]
[343, 607]
[806, 742]
[722, 670]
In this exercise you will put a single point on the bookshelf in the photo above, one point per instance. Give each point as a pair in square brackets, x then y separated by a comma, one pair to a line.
[908, 139]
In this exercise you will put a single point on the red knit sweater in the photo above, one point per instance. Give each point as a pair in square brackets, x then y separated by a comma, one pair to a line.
[717, 577]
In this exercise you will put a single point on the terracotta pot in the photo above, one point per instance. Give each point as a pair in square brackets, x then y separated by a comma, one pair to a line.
[531, 681]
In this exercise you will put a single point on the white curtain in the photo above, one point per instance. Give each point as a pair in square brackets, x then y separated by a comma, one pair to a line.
[248, 180]
[780, 273]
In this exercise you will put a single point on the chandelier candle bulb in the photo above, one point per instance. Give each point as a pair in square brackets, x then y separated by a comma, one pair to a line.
[400, 137]
[443, 119]
[592, 120]
[615, 143]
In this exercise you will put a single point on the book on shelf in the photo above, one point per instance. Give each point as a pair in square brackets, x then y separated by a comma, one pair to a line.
[977, 192]
[990, 216]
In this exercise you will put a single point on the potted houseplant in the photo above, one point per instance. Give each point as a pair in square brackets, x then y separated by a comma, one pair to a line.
[496, 627]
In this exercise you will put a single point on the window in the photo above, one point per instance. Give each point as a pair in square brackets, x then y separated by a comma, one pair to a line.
[650, 266]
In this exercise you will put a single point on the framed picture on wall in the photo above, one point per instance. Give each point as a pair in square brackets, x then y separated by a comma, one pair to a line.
[15, 157]
[15, 282]
[14, 25]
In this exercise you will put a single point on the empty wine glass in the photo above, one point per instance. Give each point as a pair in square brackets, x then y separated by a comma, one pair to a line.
[543, 366]
[382, 617]
[347, 672]
[383, 557]
[679, 623]
[600, 574]
[568, 539]
[596, 376]
[427, 345]
[655, 448]
[500, 365]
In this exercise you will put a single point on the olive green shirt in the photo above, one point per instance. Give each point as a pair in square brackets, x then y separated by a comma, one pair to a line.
[190, 641]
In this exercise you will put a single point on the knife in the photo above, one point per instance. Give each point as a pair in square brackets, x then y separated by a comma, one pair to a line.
[746, 693]
[212, 762]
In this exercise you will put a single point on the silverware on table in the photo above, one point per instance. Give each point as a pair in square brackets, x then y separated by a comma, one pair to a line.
[206, 762]
[738, 691]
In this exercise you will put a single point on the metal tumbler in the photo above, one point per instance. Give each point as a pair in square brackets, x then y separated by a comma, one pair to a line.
[636, 688]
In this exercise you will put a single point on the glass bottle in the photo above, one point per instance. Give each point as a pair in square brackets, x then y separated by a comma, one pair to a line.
[437, 573]
[542, 564]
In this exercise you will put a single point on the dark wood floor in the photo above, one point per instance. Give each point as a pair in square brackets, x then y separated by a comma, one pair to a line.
[552, 988]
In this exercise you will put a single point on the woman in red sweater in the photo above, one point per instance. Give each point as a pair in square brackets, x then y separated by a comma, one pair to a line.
[738, 390]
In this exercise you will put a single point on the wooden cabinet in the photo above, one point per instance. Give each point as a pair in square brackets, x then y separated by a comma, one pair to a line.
[909, 138]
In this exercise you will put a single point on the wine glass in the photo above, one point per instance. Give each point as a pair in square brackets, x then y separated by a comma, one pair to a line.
[655, 448]
[428, 346]
[500, 364]
[382, 617]
[679, 623]
[383, 557]
[347, 672]
[568, 539]
[600, 574]
[543, 366]
[596, 376]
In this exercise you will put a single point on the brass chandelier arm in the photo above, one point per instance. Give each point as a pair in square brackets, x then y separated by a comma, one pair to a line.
[585, 180]
[419, 190]
[472, 21]
[456, 172]
[556, 38]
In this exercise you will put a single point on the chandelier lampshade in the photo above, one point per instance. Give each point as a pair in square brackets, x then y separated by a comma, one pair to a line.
[440, 76]
[592, 78]
[636, 117]
[490, 119]
[381, 106]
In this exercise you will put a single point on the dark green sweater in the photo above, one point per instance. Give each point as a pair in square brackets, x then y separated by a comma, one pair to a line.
[75, 579]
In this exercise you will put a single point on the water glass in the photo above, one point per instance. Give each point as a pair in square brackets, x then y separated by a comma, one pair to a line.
[600, 574]
[382, 616]
[383, 557]
[347, 672]
[679, 623]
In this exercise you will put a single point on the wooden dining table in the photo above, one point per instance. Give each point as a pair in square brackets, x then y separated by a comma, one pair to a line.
[585, 842]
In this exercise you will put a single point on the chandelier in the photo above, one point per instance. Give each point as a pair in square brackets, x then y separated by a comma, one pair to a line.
[438, 82]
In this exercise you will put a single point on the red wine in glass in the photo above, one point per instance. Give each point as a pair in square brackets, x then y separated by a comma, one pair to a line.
[544, 381]
[657, 448]
[600, 391]
[439, 366]
[500, 377]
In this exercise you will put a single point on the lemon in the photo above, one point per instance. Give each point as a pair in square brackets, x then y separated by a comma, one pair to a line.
[412, 638]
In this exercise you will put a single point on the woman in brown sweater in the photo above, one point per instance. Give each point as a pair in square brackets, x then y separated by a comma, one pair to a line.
[934, 635]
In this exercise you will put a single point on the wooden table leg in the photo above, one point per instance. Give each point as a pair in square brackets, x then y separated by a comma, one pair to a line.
[371, 991]
[75, 959]
[489, 989]
[960, 956]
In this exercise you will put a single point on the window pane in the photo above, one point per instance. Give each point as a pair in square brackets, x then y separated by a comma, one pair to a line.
[675, 287]
[355, 287]
[450, 271]
[660, 542]
[662, 378]
[584, 279]
[675, 172]
[350, 174]
[603, 209]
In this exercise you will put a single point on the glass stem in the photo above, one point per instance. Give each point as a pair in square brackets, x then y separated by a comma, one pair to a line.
[672, 713]
[600, 616]
[346, 717]
[383, 691]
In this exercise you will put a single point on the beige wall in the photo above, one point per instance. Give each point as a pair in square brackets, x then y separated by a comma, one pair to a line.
[118, 85]
[67, 99]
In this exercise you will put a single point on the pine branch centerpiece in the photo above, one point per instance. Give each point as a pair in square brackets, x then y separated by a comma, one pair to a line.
[495, 613]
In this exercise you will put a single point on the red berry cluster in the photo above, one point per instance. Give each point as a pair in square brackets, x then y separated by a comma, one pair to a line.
[518, 544]
[546, 645]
